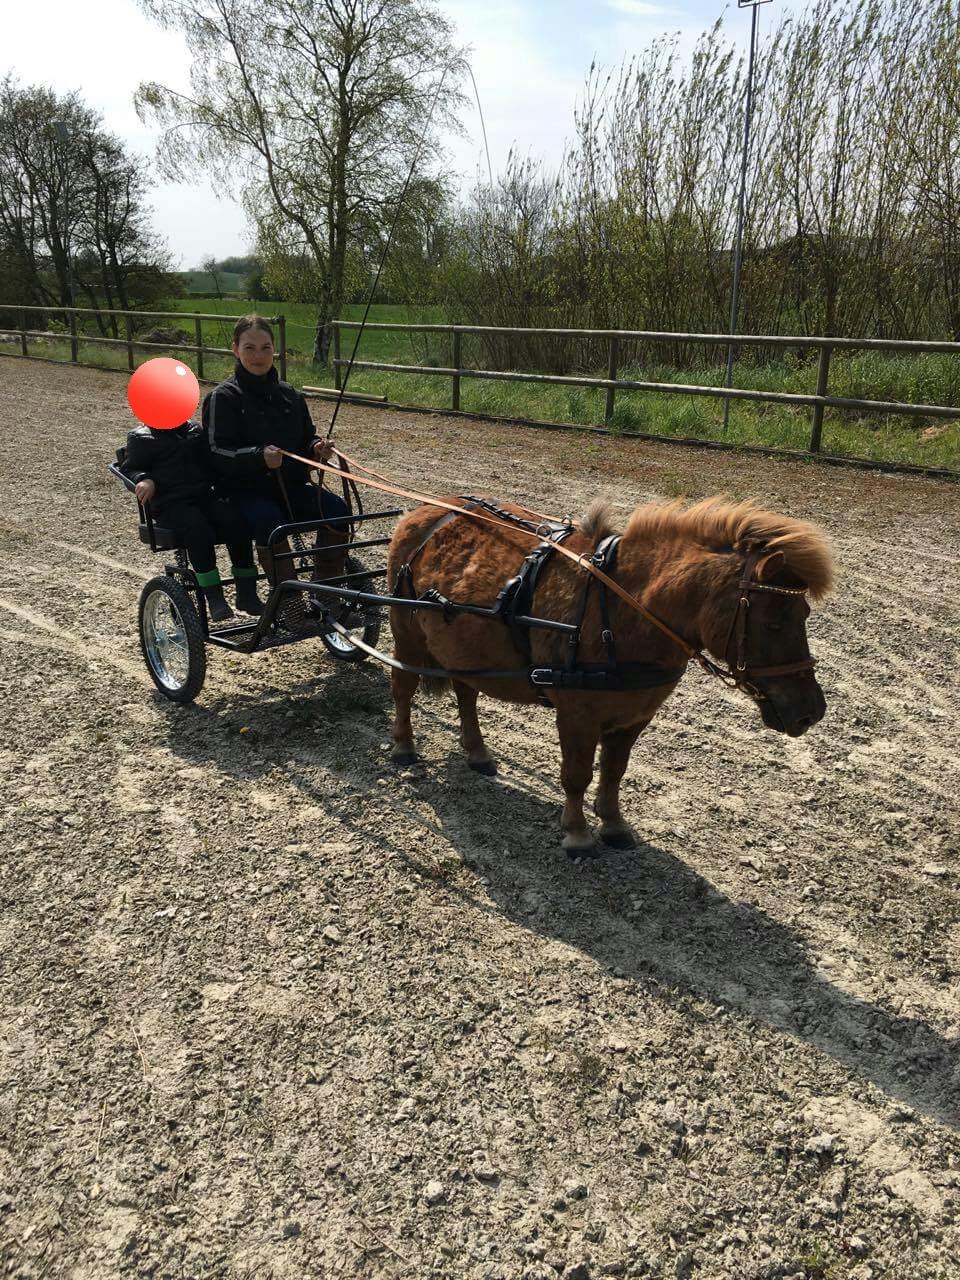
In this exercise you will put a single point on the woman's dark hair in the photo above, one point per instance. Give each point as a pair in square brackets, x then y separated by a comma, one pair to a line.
[251, 321]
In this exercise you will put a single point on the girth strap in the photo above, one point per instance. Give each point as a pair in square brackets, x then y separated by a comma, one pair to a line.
[403, 583]
[605, 558]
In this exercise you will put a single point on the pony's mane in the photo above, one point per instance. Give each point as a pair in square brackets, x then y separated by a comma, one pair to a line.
[596, 523]
[721, 525]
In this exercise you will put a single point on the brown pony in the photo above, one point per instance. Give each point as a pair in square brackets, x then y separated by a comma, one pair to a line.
[687, 566]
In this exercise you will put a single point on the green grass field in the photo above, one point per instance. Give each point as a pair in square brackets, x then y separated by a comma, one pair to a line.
[203, 282]
[925, 379]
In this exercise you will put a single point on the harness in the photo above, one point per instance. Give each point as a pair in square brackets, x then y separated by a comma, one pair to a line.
[515, 603]
[736, 676]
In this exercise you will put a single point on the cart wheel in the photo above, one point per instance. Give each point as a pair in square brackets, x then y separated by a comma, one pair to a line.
[363, 622]
[172, 639]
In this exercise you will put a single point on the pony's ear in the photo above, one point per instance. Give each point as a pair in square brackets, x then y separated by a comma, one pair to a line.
[770, 565]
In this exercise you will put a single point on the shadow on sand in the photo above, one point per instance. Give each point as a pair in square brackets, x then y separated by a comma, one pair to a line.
[688, 934]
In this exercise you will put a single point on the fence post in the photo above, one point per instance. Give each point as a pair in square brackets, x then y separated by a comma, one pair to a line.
[337, 376]
[23, 332]
[74, 344]
[612, 375]
[198, 326]
[282, 327]
[823, 373]
[456, 358]
[128, 329]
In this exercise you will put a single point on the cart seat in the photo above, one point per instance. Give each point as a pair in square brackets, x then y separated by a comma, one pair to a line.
[163, 539]
[154, 535]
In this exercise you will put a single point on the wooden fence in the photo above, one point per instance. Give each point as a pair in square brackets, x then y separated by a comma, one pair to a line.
[76, 336]
[616, 338]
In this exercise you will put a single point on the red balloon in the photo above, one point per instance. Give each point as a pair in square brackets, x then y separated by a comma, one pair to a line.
[163, 393]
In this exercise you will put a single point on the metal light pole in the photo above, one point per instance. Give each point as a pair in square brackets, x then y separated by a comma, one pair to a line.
[753, 5]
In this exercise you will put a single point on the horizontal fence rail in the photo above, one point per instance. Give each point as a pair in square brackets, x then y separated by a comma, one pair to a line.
[612, 384]
[75, 336]
[661, 335]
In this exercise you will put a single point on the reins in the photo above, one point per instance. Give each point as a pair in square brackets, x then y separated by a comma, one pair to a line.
[732, 678]
[583, 561]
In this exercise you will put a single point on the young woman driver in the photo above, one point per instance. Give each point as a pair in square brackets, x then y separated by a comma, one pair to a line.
[248, 419]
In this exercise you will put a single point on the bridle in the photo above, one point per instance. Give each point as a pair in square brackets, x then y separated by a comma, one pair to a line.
[742, 674]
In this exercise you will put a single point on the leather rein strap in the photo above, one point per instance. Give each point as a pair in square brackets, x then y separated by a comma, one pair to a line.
[736, 678]
[583, 561]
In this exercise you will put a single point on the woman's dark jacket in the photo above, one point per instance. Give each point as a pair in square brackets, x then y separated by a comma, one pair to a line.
[176, 461]
[243, 415]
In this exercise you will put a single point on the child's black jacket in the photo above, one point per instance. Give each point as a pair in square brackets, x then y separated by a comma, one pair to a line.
[176, 461]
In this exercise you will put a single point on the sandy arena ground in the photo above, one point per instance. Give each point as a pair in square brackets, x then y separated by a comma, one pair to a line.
[269, 1008]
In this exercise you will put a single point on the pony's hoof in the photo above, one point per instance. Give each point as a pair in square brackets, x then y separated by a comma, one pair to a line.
[487, 767]
[404, 758]
[576, 849]
[619, 838]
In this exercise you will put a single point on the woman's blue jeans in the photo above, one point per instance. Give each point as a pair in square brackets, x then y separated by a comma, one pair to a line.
[307, 502]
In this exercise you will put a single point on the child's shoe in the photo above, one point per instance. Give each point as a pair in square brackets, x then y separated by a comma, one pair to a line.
[212, 590]
[247, 599]
[217, 606]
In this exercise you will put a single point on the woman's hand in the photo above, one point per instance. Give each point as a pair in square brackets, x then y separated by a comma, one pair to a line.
[145, 489]
[323, 451]
[272, 456]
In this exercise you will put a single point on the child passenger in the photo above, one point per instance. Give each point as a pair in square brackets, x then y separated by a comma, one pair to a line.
[171, 471]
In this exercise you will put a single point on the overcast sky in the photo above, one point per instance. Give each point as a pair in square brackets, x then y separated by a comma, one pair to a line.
[529, 58]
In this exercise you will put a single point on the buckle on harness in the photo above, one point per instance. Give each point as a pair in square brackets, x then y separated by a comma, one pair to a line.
[433, 596]
[565, 678]
[543, 677]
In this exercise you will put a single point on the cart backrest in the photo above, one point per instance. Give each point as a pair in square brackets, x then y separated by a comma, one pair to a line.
[153, 535]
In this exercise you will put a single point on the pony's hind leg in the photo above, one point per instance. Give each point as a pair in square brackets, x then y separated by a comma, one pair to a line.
[615, 748]
[471, 739]
[578, 746]
[404, 685]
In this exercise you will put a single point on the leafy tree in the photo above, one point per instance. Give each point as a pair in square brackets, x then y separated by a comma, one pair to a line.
[74, 224]
[254, 284]
[316, 109]
[239, 265]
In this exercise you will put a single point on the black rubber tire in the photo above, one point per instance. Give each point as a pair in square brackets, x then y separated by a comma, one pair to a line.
[171, 685]
[335, 644]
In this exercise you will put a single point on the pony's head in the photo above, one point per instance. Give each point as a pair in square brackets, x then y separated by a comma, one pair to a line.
[766, 647]
[757, 618]
[756, 572]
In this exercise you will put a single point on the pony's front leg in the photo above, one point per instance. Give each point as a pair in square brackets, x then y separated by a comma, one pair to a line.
[471, 739]
[615, 748]
[578, 746]
[404, 686]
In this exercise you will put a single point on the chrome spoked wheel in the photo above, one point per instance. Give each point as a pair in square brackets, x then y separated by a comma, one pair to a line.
[172, 639]
[165, 640]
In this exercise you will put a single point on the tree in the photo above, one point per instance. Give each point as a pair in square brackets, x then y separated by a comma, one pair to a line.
[254, 284]
[73, 220]
[934, 149]
[240, 266]
[316, 109]
[212, 268]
